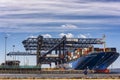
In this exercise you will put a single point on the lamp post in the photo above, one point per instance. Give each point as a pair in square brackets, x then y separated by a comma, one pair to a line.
[5, 47]
[14, 57]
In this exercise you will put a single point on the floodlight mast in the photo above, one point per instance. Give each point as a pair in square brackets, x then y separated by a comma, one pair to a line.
[5, 47]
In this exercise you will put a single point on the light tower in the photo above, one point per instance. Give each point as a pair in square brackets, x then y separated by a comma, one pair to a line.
[5, 47]
[14, 57]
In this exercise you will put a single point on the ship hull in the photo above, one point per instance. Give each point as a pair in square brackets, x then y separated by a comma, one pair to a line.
[95, 61]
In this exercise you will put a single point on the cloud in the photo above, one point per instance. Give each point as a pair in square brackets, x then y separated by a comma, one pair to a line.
[102, 0]
[35, 29]
[8, 35]
[84, 35]
[47, 16]
[44, 35]
[59, 7]
[68, 35]
[31, 36]
[69, 26]
[47, 36]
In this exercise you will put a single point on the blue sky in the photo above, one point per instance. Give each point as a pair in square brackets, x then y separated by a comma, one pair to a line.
[20, 19]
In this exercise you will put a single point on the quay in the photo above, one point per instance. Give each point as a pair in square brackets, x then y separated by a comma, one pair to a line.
[36, 74]
[58, 76]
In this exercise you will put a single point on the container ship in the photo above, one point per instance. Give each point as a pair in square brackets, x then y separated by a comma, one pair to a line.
[73, 53]
[94, 59]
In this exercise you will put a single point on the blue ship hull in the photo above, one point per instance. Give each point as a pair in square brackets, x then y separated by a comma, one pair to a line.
[95, 61]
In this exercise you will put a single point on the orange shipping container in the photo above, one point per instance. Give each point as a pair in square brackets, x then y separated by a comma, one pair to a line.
[62, 56]
[78, 55]
[79, 50]
[69, 54]
[107, 49]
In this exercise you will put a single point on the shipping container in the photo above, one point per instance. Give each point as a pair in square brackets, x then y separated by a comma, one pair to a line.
[62, 56]
[107, 49]
[101, 49]
[110, 49]
[69, 54]
[96, 49]
[113, 49]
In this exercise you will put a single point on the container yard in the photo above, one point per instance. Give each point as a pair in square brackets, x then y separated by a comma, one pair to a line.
[74, 58]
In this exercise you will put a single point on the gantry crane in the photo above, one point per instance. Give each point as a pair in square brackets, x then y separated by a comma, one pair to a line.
[45, 46]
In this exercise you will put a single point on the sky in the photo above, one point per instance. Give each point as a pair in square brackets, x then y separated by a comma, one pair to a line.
[20, 19]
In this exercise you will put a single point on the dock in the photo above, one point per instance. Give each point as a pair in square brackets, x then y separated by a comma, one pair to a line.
[24, 73]
[60, 76]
